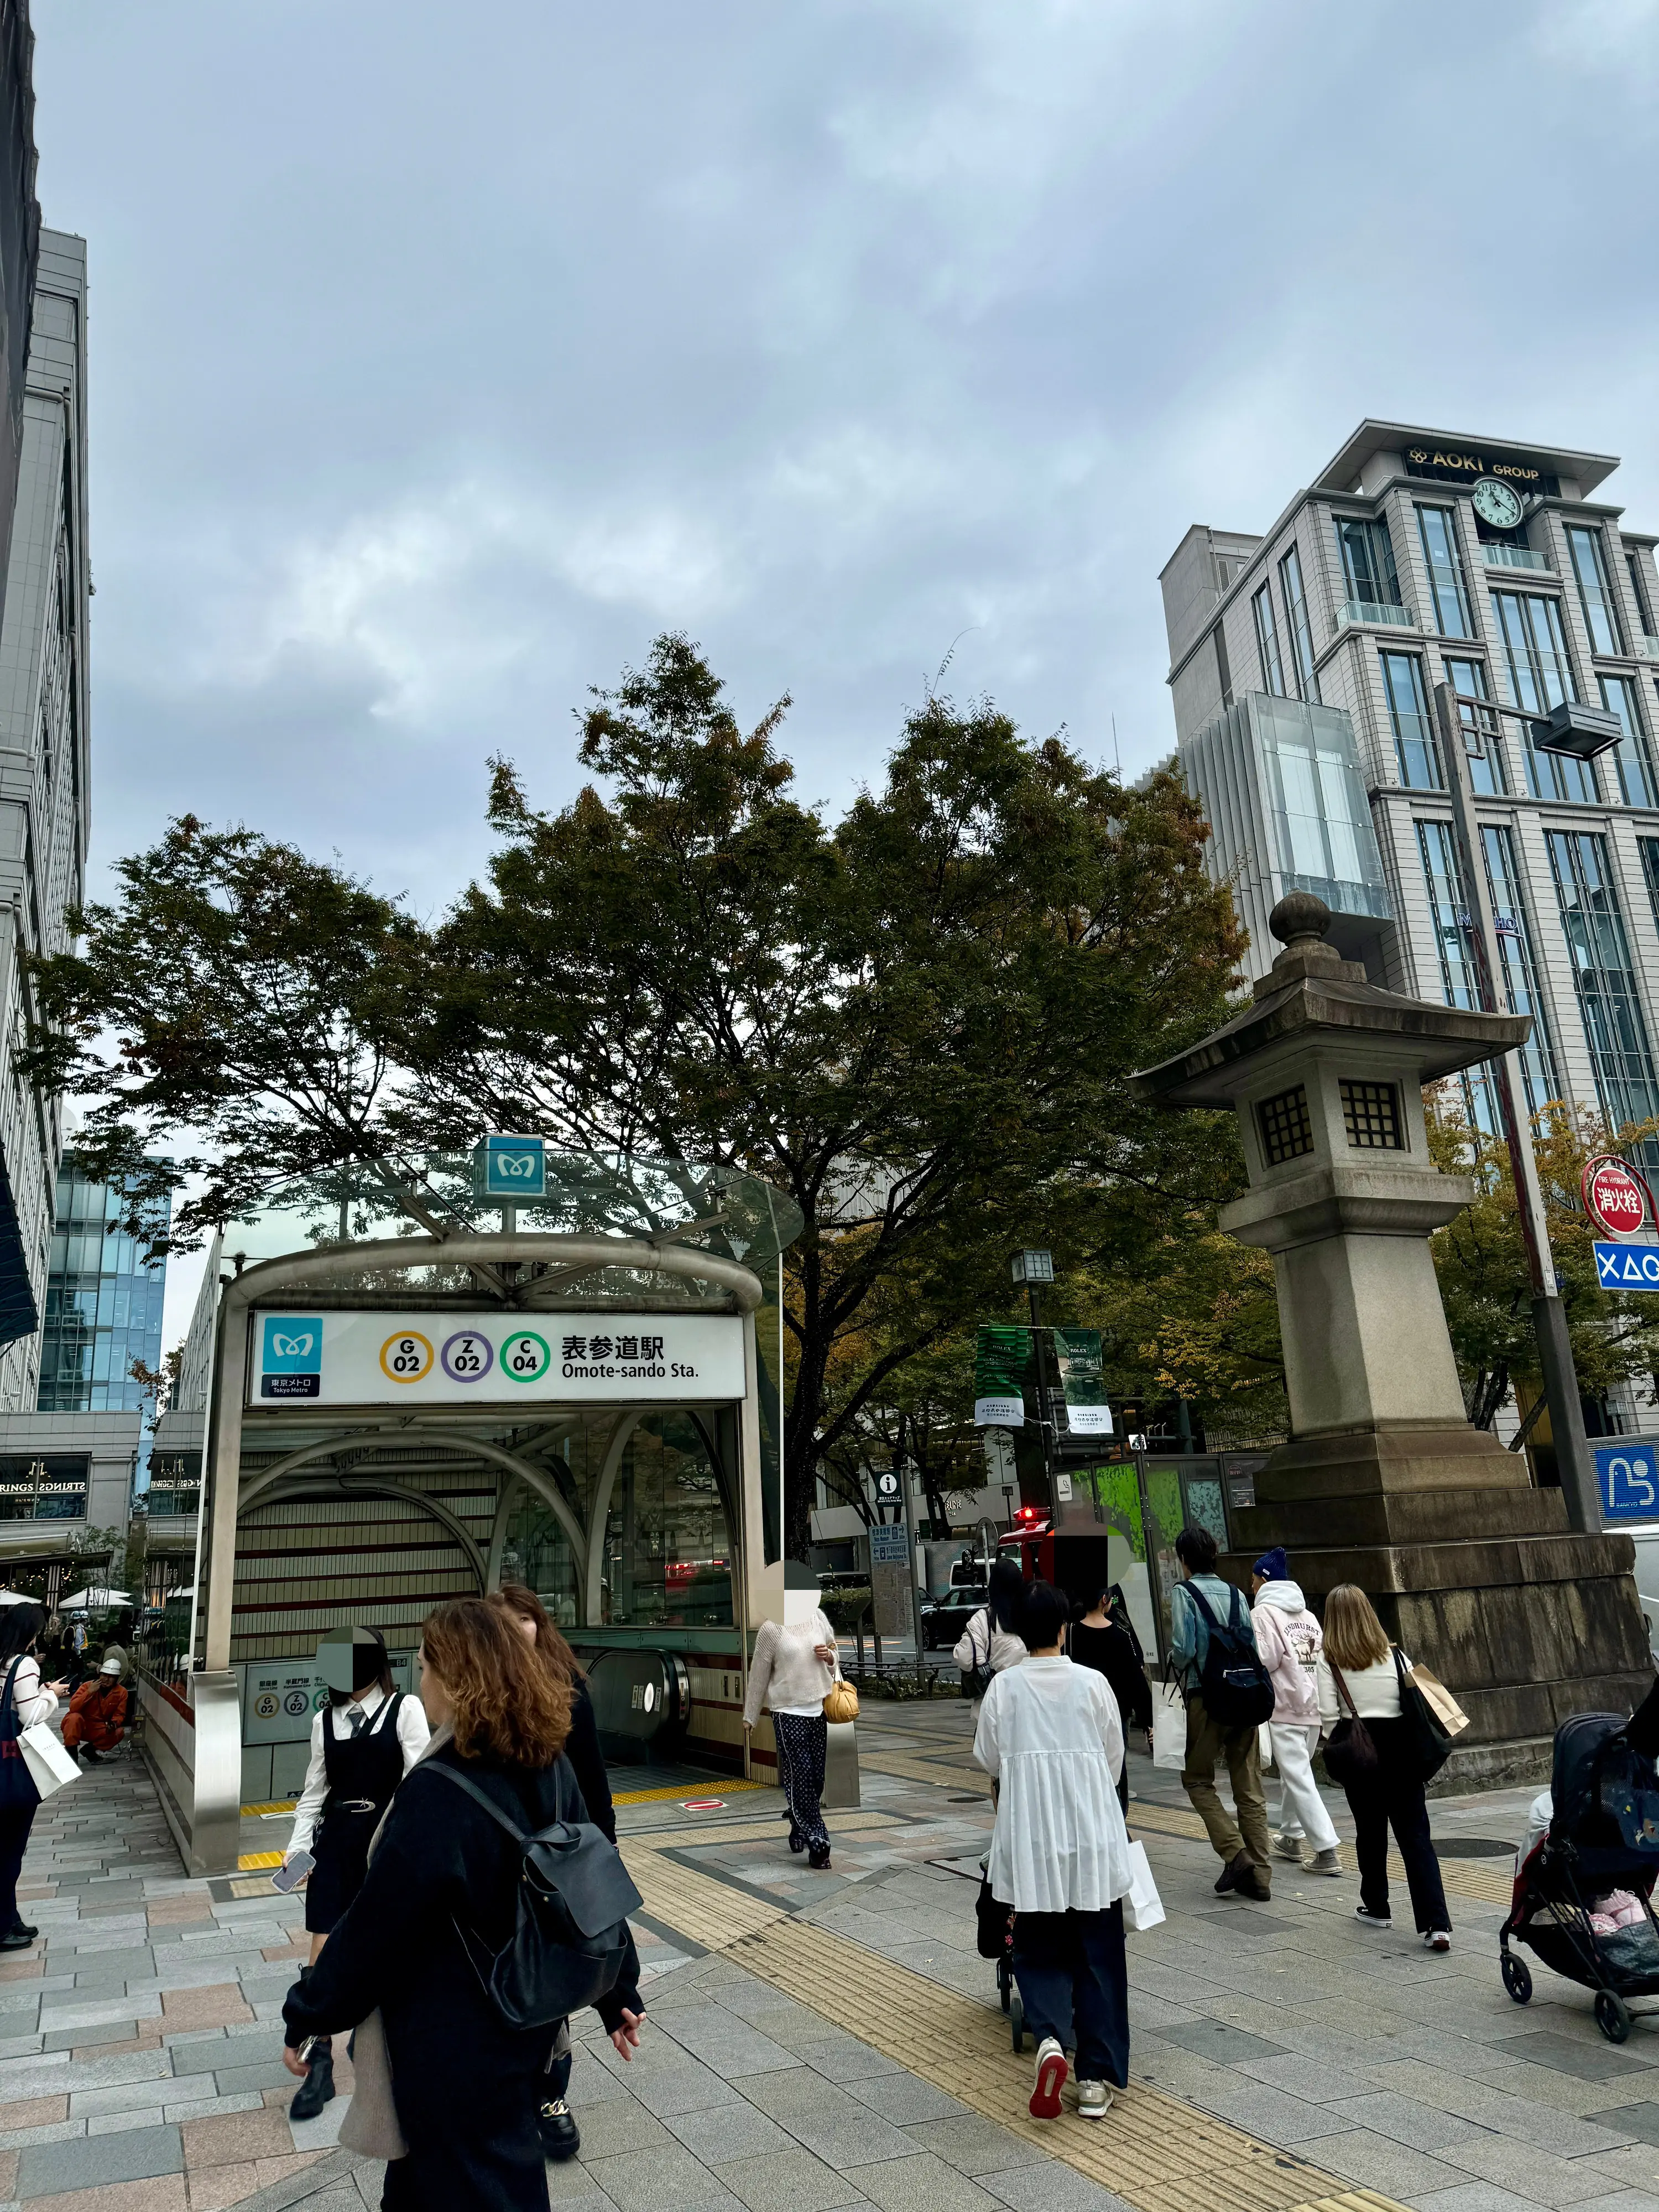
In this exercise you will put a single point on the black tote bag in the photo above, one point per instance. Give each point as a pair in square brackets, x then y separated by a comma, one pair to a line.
[1351, 1752]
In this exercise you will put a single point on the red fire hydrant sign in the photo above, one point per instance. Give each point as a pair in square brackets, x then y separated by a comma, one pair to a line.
[1616, 1198]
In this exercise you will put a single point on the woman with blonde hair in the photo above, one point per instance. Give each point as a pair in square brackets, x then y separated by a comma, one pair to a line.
[1359, 1675]
[441, 1890]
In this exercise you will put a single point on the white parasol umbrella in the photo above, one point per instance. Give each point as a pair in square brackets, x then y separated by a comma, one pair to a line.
[16, 1597]
[94, 1601]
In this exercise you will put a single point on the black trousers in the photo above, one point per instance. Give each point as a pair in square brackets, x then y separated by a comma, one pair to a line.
[1393, 1798]
[15, 1827]
[1074, 1984]
[803, 1741]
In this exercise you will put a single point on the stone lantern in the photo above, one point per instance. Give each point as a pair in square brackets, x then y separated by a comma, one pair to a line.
[1383, 1482]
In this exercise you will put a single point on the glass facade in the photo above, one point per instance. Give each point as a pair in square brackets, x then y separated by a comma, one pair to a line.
[1594, 596]
[1436, 527]
[1267, 638]
[1537, 675]
[1606, 982]
[1322, 826]
[1448, 915]
[1639, 592]
[1630, 757]
[1301, 627]
[1368, 562]
[1454, 941]
[1415, 748]
[103, 1303]
[1649, 849]
[1486, 771]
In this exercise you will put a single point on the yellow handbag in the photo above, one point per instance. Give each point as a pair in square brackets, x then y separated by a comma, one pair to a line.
[842, 1702]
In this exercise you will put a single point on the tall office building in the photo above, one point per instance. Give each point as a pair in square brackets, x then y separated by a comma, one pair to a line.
[44, 763]
[104, 1299]
[1303, 663]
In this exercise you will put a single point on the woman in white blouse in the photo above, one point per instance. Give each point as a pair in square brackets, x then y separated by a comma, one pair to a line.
[1050, 1732]
[20, 1670]
[793, 1670]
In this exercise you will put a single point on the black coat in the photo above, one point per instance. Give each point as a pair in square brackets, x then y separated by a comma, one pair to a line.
[465, 2083]
[1111, 1653]
[587, 1763]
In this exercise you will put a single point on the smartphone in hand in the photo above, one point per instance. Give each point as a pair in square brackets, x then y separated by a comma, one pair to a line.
[293, 1871]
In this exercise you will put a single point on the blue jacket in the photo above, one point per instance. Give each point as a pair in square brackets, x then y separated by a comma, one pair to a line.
[1189, 1632]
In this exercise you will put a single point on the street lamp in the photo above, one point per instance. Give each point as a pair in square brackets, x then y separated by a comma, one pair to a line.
[1581, 732]
[1034, 1269]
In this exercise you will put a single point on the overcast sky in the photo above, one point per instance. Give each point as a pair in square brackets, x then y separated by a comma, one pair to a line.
[440, 356]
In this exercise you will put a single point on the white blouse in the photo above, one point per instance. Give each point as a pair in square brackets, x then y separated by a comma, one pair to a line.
[35, 1701]
[412, 1734]
[1375, 1691]
[1050, 1730]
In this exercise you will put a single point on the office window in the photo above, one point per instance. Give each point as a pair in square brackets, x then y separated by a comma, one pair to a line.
[1300, 625]
[1370, 1115]
[1589, 567]
[1486, 771]
[1368, 562]
[1519, 979]
[1535, 674]
[1638, 591]
[1437, 528]
[1649, 849]
[1631, 755]
[1266, 637]
[1414, 731]
[1287, 1131]
[1603, 976]
[1453, 942]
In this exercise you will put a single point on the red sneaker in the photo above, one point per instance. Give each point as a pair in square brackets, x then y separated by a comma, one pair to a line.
[1051, 2072]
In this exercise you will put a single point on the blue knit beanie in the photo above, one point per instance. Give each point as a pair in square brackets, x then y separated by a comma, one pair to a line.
[1274, 1567]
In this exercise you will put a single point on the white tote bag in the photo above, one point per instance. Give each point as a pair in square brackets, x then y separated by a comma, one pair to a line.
[1168, 1727]
[48, 1765]
[1143, 1908]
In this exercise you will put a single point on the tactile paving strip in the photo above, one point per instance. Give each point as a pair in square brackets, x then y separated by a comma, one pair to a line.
[1491, 1884]
[1156, 2153]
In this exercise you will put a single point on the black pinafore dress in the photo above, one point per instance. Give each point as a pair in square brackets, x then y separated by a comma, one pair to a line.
[363, 1772]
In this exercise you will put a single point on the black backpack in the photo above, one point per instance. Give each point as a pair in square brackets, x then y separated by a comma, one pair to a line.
[1233, 1683]
[574, 1897]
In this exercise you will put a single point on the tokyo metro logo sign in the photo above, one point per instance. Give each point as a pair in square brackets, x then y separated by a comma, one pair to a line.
[1616, 1198]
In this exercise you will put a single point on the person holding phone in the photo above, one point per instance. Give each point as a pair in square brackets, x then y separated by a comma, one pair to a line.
[363, 1742]
[32, 1701]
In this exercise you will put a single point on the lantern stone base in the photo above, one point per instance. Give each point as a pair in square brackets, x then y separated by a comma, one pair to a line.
[1472, 1571]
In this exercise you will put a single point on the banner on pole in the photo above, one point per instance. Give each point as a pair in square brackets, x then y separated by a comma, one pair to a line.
[1000, 1357]
[1082, 1381]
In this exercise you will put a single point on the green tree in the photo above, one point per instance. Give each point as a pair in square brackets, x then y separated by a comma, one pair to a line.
[1482, 1262]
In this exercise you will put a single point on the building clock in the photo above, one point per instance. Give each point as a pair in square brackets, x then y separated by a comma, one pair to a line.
[1497, 502]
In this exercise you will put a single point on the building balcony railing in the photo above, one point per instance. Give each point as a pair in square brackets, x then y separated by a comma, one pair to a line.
[1374, 611]
[1512, 556]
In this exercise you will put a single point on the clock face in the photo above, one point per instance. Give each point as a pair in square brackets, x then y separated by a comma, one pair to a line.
[1497, 502]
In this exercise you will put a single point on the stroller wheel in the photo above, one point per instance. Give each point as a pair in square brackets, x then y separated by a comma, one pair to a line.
[1612, 2016]
[1517, 1978]
[1017, 2022]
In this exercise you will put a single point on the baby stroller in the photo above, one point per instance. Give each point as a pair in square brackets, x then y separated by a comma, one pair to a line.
[1604, 1837]
[996, 1941]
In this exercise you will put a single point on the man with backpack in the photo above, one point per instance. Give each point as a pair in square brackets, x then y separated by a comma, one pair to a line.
[1228, 1695]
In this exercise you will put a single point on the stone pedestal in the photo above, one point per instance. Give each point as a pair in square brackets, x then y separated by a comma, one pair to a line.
[1384, 1483]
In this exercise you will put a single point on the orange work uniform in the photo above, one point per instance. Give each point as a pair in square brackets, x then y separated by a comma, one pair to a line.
[97, 1716]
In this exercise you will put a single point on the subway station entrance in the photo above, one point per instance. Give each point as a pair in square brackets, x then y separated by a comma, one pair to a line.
[398, 1401]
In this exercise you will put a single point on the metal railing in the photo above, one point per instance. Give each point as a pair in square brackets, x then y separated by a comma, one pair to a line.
[1374, 611]
[1512, 556]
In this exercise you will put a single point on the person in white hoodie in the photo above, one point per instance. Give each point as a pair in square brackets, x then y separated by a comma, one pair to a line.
[1289, 1641]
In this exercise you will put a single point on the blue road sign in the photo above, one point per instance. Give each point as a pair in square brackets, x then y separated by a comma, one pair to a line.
[513, 1169]
[889, 1543]
[1627, 1470]
[1626, 1267]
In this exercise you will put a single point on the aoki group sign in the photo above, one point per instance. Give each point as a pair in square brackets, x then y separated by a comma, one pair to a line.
[459, 1358]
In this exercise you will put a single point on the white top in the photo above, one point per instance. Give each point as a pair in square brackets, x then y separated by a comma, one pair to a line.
[412, 1734]
[1375, 1691]
[785, 1674]
[34, 1702]
[983, 1645]
[1050, 1730]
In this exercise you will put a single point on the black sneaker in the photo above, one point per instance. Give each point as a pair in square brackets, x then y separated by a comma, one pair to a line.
[561, 2137]
[16, 1939]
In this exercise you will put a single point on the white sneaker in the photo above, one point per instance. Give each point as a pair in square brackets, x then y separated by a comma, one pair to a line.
[1325, 1862]
[1438, 1939]
[1288, 1847]
[1371, 1919]
[1094, 2100]
[1051, 2072]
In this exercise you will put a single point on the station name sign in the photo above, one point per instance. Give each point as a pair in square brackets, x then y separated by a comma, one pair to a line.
[1458, 465]
[466, 1358]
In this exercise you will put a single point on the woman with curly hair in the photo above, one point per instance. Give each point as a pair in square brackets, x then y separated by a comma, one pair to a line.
[443, 1875]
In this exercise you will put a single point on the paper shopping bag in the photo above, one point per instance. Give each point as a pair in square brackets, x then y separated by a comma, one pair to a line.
[1445, 1707]
[48, 1765]
[1143, 1908]
[1168, 1727]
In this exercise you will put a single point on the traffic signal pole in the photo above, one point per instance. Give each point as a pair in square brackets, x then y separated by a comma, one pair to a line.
[1566, 1412]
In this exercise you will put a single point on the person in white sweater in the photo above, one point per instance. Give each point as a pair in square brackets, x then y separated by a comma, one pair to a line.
[1360, 1673]
[792, 1673]
[1288, 1643]
[28, 1700]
